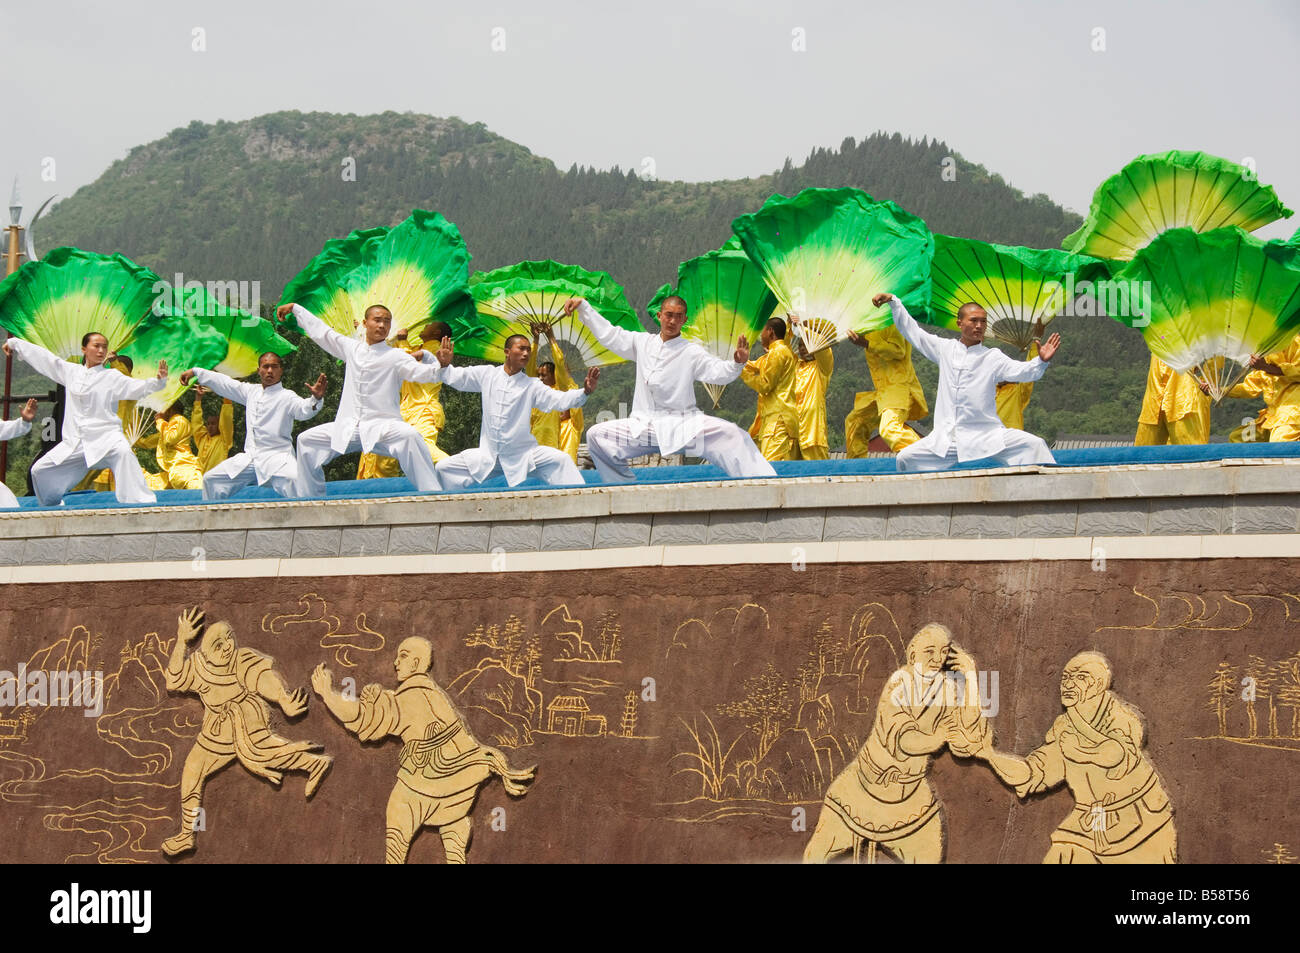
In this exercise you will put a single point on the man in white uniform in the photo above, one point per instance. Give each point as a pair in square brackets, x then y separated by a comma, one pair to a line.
[268, 444]
[9, 429]
[369, 417]
[966, 422]
[664, 415]
[506, 441]
[92, 430]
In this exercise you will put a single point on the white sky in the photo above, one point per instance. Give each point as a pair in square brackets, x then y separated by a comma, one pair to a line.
[709, 89]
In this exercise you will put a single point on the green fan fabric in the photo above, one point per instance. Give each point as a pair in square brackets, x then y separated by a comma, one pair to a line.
[1155, 193]
[418, 269]
[1220, 294]
[726, 297]
[54, 302]
[1016, 286]
[826, 252]
[248, 337]
[511, 300]
[181, 339]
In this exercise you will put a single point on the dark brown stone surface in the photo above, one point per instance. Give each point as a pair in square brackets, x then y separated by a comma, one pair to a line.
[107, 788]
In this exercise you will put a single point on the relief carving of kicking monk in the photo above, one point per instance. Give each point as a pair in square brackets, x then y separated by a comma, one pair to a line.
[232, 683]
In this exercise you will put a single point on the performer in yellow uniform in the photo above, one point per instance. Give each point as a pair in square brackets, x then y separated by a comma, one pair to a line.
[897, 397]
[772, 377]
[812, 376]
[1012, 398]
[1173, 409]
[1276, 379]
[421, 407]
[171, 445]
[559, 429]
[213, 436]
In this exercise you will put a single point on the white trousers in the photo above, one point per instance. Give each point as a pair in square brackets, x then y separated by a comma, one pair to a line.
[397, 439]
[1022, 450]
[553, 467]
[720, 442]
[54, 474]
[7, 499]
[233, 474]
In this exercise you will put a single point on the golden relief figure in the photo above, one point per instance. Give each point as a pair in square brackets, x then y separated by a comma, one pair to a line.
[232, 683]
[883, 798]
[1121, 813]
[441, 767]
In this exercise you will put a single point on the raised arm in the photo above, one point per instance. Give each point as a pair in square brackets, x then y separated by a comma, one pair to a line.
[1021, 372]
[340, 706]
[135, 388]
[308, 407]
[931, 345]
[619, 340]
[548, 398]
[40, 360]
[325, 336]
[225, 387]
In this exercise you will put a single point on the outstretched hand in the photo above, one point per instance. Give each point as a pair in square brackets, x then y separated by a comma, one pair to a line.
[9, 352]
[319, 388]
[282, 312]
[571, 305]
[162, 370]
[859, 339]
[28, 412]
[187, 376]
[445, 352]
[1047, 350]
[322, 679]
[593, 375]
[294, 703]
[187, 626]
[881, 298]
[742, 350]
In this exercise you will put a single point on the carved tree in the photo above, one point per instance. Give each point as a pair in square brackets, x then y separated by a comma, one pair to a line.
[1223, 689]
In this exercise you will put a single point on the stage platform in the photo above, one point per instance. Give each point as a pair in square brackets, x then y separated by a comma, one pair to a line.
[1150, 502]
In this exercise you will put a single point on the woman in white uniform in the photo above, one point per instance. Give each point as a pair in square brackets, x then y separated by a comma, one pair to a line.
[92, 430]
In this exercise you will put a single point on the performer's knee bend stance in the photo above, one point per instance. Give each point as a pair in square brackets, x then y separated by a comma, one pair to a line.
[665, 417]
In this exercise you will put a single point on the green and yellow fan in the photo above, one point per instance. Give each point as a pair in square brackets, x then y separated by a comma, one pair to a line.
[726, 297]
[248, 337]
[826, 252]
[418, 270]
[54, 302]
[1213, 295]
[513, 299]
[1155, 193]
[1016, 286]
[183, 341]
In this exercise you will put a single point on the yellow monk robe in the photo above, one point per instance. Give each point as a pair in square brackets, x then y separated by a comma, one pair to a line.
[1279, 421]
[776, 423]
[1012, 399]
[811, 379]
[180, 468]
[1173, 409]
[897, 397]
[561, 430]
[212, 450]
[421, 407]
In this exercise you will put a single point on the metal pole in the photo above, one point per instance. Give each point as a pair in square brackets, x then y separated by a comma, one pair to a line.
[11, 265]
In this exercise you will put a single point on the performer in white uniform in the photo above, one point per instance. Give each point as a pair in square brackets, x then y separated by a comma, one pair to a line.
[268, 444]
[92, 430]
[506, 441]
[966, 422]
[664, 415]
[369, 417]
[9, 429]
